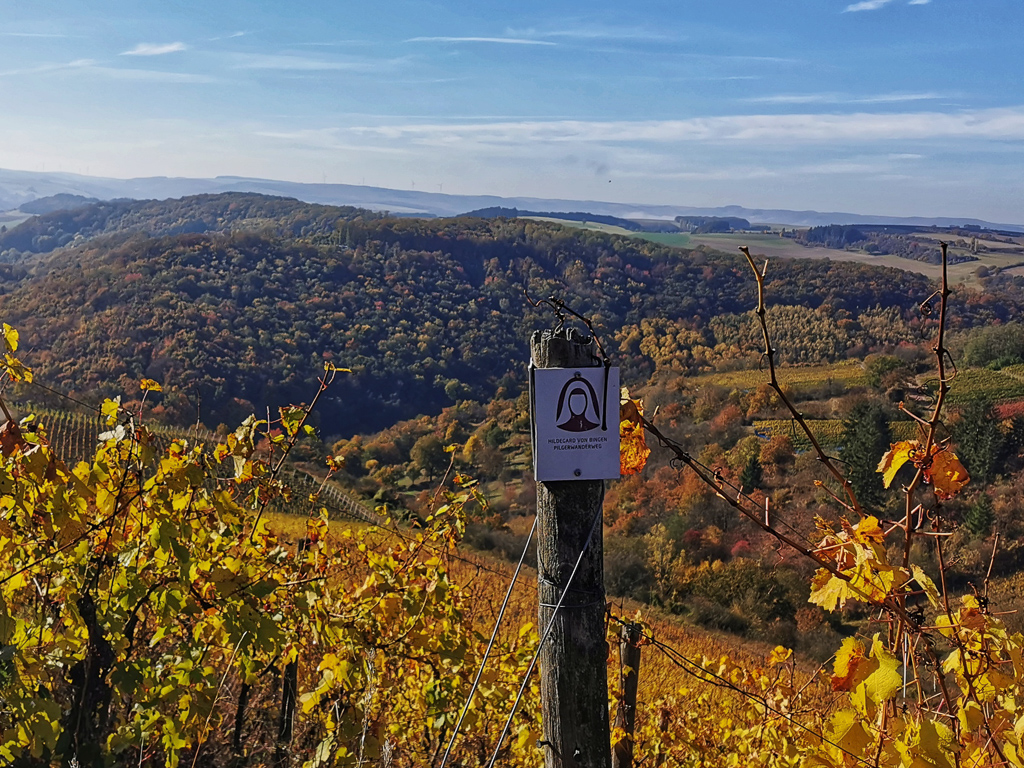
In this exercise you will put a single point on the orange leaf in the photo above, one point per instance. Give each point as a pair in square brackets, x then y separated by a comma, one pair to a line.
[633, 450]
[946, 474]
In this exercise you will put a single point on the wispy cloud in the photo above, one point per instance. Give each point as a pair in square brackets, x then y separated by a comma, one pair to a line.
[919, 2]
[44, 68]
[90, 67]
[836, 98]
[591, 32]
[991, 124]
[324, 139]
[32, 34]
[867, 5]
[155, 49]
[498, 40]
[148, 75]
[230, 36]
[291, 63]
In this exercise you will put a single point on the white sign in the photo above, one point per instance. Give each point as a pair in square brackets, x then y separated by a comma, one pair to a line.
[576, 423]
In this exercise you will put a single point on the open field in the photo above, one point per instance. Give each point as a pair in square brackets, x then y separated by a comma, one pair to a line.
[999, 255]
[672, 239]
[593, 226]
[11, 219]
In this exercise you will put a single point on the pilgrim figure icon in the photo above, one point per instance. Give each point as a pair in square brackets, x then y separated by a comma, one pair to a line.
[578, 397]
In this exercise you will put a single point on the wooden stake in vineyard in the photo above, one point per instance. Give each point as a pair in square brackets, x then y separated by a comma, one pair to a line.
[573, 437]
[625, 716]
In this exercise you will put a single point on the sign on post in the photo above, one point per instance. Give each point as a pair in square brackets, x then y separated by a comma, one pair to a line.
[576, 423]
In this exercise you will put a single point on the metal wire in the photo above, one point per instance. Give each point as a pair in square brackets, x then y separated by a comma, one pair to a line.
[490, 645]
[551, 624]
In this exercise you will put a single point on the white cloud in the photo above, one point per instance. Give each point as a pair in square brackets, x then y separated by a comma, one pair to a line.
[867, 5]
[499, 40]
[919, 2]
[155, 49]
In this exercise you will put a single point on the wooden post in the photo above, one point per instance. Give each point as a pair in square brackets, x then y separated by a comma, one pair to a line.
[573, 661]
[289, 697]
[625, 715]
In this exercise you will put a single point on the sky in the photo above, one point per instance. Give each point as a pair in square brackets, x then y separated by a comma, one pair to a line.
[894, 107]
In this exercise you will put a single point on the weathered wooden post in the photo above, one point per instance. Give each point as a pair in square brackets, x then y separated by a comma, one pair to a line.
[573, 660]
[625, 715]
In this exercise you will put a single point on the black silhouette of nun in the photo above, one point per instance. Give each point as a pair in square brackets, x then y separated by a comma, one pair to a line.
[574, 397]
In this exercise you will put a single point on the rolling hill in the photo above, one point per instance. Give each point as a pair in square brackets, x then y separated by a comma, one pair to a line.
[237, 301]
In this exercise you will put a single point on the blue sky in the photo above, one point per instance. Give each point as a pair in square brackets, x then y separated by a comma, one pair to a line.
[901, 107]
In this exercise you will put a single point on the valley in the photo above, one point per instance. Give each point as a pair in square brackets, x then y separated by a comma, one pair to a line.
[234, 304]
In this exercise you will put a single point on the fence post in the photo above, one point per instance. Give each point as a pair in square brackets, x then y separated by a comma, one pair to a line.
[573, 661]
[625, 715]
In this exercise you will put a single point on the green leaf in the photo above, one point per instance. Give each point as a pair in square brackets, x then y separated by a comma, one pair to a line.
[292, 417]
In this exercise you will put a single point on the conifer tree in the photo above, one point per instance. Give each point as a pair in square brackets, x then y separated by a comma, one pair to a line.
[980, 516]
[980, 442]
[866, 437]
[752, 474]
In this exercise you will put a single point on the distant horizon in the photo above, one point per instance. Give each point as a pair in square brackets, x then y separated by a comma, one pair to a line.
[293, 189]
[893, 106]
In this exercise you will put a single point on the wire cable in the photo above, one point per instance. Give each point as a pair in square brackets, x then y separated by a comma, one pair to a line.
[551, 625]
[490, 645]
[699, 672]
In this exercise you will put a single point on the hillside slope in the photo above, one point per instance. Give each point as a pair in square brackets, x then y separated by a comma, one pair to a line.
[424, 312]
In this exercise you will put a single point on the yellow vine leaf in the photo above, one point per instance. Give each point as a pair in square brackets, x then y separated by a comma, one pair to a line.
[848, 658]
[148, 385]
[830, 592]
[869, 532]
[882, 684]
[633, 450]
[897, 455]
[942, 468]
[110, 409]
[848, 731]
[10, 339]
[926, 584]
[780, 655]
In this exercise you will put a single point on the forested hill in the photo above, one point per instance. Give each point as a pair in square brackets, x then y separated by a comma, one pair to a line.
[424, 312]
[201, 213]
